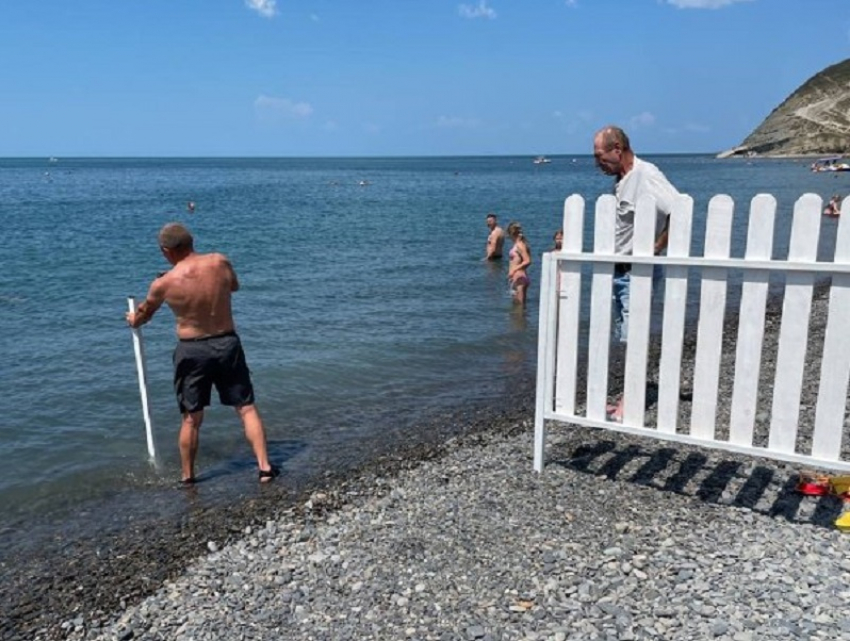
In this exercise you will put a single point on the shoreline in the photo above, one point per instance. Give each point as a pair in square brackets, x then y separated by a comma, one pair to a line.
[743, 156]
[83, 594]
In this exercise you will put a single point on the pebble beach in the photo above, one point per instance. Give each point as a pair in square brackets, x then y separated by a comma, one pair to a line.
[474, 546]
[620, 538]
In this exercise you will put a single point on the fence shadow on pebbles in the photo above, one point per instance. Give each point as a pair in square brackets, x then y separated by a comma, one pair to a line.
[708, 476]
[765, 486]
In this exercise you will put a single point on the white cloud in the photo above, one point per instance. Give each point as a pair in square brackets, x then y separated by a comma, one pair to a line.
[276, 109]
[644, 119]
[702, 4]
[687, 128]
[266, 8]
[571, 3]
[481, 11]
[577, 123]
[455, 122]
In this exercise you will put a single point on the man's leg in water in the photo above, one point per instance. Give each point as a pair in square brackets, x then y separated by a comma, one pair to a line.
[189, 433]
[256, 435]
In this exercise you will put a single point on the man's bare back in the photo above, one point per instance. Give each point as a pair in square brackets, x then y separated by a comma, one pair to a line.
[198, 291]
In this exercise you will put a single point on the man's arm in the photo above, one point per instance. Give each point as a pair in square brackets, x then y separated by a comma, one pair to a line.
[491, 246]
[234, 281]
[661, 241]
[665, 195]
[153, 301]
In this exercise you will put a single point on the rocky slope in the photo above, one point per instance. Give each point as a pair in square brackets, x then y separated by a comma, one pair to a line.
[815, 119]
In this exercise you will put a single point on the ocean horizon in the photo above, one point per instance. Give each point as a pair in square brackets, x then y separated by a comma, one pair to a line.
[530, 156]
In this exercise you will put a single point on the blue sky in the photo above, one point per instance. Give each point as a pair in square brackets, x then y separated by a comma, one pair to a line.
[400, 77]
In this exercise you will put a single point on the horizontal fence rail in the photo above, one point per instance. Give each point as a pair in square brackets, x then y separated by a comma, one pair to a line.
[763, 417]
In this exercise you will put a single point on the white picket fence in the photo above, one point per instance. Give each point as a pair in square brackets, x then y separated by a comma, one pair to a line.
[560, 322]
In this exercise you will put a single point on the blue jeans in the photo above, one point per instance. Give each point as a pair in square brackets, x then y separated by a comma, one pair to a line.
[622, 285]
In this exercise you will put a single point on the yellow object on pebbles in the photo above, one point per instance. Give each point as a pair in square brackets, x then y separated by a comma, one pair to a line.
[843, 522]
[840, 484]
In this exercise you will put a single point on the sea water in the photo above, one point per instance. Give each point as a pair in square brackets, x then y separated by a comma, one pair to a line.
[365, 306]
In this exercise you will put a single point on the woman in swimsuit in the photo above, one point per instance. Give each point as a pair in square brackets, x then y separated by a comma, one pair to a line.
[520, 256]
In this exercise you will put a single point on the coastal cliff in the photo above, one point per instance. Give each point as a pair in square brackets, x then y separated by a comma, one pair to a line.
[815, 119]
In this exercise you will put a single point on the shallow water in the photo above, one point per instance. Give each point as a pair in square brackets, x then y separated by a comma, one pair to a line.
[365, 310]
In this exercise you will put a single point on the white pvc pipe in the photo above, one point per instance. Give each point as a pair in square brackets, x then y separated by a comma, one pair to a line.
[139, 348]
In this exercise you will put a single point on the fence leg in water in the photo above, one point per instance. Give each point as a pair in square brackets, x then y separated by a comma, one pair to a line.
[139, 348]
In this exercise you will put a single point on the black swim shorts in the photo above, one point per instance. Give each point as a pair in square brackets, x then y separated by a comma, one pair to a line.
[200, 363]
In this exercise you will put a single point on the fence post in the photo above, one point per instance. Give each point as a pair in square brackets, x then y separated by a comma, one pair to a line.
[545, 357]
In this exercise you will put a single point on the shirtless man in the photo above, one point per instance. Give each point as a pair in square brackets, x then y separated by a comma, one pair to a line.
[496, 239]
[198, 291]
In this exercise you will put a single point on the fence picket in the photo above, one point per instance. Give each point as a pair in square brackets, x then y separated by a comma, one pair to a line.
[600, 309]
[568, 283]
[545, 358]
[640, 308]
[835, 366]
[794, 330]
[711, 312]
[751, 332]
[675, 306]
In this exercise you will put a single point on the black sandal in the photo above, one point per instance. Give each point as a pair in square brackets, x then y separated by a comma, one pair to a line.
[269, 474]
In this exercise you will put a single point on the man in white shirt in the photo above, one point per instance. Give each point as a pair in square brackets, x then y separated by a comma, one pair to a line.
[633, 178]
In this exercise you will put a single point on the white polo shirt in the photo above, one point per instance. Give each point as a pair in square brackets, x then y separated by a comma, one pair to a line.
[643, 178]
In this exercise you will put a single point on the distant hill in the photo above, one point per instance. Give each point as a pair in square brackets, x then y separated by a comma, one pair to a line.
[815, 119]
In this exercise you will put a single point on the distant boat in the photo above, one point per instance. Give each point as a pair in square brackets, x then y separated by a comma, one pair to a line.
[541, 160]
[52, 159]
[834, 163]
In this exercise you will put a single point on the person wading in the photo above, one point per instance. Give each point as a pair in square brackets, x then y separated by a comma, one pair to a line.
[198, 290]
